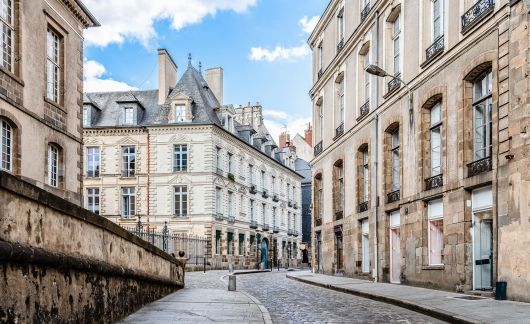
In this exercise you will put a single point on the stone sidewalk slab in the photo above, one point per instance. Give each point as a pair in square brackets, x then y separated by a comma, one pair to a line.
[440, 304]
[194, 305]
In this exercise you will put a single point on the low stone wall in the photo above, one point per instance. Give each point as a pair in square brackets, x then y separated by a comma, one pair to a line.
[61, 263]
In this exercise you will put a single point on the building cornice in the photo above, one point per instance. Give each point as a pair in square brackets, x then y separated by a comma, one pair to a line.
[81, 12]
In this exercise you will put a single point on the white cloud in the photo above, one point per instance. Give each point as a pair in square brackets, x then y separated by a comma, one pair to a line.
[293, 126]
[275, 114]
[134, 19]
[94, 81]
[308, 24]
[279, 53]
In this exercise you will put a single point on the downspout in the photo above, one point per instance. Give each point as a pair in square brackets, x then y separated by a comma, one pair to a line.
[376, 163]
[148, 170]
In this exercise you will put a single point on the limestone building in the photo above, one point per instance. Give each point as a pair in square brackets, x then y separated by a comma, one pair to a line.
[41, 90]
[178, 155]
[424, 184]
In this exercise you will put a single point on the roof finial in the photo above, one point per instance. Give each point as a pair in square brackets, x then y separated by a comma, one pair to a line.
[200, 67]
[189, 59]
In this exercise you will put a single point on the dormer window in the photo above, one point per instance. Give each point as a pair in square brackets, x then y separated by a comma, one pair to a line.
[128, 115]
[180, 113]
[87, 116]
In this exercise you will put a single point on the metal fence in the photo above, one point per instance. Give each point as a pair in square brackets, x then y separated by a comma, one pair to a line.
[194, 247]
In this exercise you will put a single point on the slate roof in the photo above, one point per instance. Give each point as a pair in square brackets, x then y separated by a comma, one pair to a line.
[304, 168]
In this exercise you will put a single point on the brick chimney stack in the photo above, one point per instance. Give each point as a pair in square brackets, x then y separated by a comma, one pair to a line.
[308, 136]
[284, 140]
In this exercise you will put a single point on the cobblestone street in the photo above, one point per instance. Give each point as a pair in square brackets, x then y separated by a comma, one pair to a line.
[290, 301]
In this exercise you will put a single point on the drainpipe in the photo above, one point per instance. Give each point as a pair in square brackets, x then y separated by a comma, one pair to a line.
[376, 163]
[148, 169]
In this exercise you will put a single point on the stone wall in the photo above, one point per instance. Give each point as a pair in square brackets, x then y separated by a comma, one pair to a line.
[61, 263]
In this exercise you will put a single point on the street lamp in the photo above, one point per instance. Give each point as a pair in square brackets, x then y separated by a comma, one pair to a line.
[377, 71]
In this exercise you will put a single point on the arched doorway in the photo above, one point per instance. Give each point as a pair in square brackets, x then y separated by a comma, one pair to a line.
[264, 253]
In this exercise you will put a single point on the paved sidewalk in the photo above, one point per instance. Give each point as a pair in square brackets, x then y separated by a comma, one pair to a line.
[194, 305]
[436, 303]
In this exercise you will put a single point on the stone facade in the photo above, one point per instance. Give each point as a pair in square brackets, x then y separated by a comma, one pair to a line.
[35, 121]
[423, 205]
[228, 151]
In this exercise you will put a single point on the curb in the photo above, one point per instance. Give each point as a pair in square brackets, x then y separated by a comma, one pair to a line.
[433, 312]
[264, 311]
[250, 272]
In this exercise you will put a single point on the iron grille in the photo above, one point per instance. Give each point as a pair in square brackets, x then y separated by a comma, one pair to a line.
[393, 196]
[318, 221]
[436, 48]
[479, 166]
[363, 207]
[265, 227]
[476, 13]
[364, 110]
[317, 149]
[339, 215]
[434, 182]
[340, 45]
[253, 224]
[339, 131]
[393, 84]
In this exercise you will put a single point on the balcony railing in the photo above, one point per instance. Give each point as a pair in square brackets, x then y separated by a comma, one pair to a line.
[320, 73]
[219, 171]
[231, 219]
[253, 189]
[289, 232]
[339, 215]
[479, 166]
[295, 233]
[265, 227]
[434, 182]
[318, 221]
[363, 207]
[318, 149]
[295, 205]
[275, 198]
[435, 49]
[394, 84]
[476, 13]
[340, 45]
[231, 176]
[290, 203]
[365, 12]
[364, 110]
[275, 229]
[253, 224]
[264, 193]
[393, 196]
[219, 216]
[339, 131]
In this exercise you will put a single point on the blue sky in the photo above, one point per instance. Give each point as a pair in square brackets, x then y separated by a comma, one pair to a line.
[261, 45]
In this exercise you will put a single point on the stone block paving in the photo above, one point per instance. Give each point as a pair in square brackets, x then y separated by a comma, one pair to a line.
[290, 301]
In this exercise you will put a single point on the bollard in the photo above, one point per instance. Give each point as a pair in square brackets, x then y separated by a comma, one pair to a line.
[204, 264]
[230, 268]
[232, 282]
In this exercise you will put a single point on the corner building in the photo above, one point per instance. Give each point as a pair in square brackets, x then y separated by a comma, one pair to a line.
[177, 156]
[427, 187]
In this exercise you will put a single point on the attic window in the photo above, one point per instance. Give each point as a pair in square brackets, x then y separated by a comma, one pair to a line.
[128, 115]
[180, 113]
[87, 114]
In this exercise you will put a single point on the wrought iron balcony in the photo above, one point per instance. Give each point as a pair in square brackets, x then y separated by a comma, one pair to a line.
[364, 110]
[219, 171]
[290, 203]
[275, 229]
[340, 45]
[339, 131]
[231, 219]
[320, 73]
[318, 222]
[365, 11]
[435, 49]
[253, 224]
[275, 198]
[253, 189]
[295, 205]
[317, 149]
[339, 215]
[394, 84]
[231, 176]
[295, 233]
[479, 166]
[265, 227]
[434, 182]
[393, 196]
[219, 216]
[290, 232]
[476, 13]
[363, 207]
[264, 193]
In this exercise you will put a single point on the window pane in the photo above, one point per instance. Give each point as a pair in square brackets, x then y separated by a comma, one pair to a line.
[436, 114]
[6, 146]
[435, 151]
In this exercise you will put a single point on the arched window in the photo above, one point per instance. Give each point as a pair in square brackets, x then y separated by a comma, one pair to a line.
[363, 177]
[6, 146]
[436, 139]
[393, 163]
[338, 192]
[482, 106]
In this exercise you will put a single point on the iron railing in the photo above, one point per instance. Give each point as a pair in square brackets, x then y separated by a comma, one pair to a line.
[339, 215]
[320, 73]
[365, 11]
[317, 149]
[394, 84]
[339, 131]
[265, 227]
[434, 182]
[393, 196]
[194, 247]
[231, 219]
[253, 224]
[318, 221]
[340, 45]
[476, 13]
[219, 216]
[479, 166]
[364, 110]
[363, 207]
[264, 193]
[290, 232]
[253, 189]
[275, 229]
[275, 198]
[295, 233]
[436, 48]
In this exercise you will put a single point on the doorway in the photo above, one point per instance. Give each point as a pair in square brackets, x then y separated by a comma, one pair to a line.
[395, 251]
[482, 225]
[339, 252]
[265, 253]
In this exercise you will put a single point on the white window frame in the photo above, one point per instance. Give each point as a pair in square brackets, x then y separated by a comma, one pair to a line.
[180, 113]
[437, 19]
[482, 97]
[366, 175]
[180, 201]
[180, 158]
[340, 99]
[128, 202]
[230, 204]
[367, 77]
[365, 246]
[6, 146]
[93, 162]
[93, 200]
[340, 26]
[128, 167]
[7, 18]
[53, 67]
[436, 139]
[53, 165]
[230, 162]
[395, 160]
[396, 39]
[320, 56]
[218, 201]
[128, 115]
[435, 215]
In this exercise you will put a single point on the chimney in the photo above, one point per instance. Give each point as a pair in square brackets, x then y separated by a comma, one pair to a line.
[308, 135]
[214, 78]
[284, 139]
[167, 74]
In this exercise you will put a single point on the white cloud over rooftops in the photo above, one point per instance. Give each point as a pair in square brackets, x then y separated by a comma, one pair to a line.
[308, 24]
[94, 79]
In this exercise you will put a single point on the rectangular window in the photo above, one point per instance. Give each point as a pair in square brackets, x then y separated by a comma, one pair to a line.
[482, 108]
[92, 162]
[252, 218]
[366, 175]
[263, 184]
[321, 121]
[320, 57]
[217, 242]
[340, 178]
[218, 158]
[395, 160]
[230, 159]
[366, 77]
[86, 117]
[180, 158]
[365, 246]
[320, 199]
[437, 18]
[53, 65]
[397, 50]
[340, 94]
[230, 204]
[252, 241]
[7, 33]
[128, 161]
[274, 223]
[218, 202]
[263, 214]
[340, 25]
[128, 116]
[436, 232]
[6, 146]
[180, 113]
[273, 183]
[92, 200]
[288, 220]
[128, 201]
[230, 241]
[241, 242]
[251, 174]
[53, 165]
[181, 200]
[436, 140]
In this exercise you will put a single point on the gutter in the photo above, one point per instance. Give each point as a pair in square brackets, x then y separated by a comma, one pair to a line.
[376, 162]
